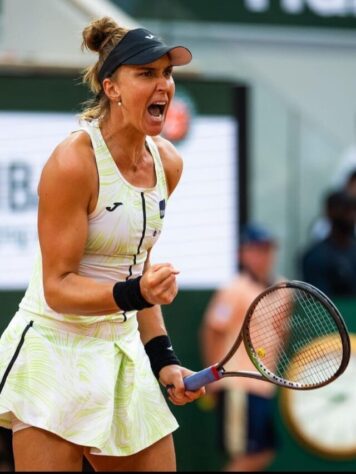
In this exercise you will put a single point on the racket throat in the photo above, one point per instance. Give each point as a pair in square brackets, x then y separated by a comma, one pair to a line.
[217, 371]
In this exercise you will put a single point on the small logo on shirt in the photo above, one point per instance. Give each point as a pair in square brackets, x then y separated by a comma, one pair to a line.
[114, 206]
[150, 37]
[162, 208]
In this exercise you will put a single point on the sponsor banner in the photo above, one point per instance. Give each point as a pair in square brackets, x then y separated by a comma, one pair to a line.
[302, 13]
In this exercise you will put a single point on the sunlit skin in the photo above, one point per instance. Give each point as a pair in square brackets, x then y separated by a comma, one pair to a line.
[138, 87]
[68, 192]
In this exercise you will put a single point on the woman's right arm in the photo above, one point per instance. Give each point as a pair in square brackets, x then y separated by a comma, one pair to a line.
[66, 190]
[67, 194]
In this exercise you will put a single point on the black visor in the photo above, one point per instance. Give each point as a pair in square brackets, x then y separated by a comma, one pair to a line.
[140, 46]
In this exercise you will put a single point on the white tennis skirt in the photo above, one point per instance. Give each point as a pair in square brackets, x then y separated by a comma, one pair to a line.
[92, 386]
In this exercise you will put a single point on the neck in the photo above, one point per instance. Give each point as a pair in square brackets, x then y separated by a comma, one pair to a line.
[125, 143]
[259, 277]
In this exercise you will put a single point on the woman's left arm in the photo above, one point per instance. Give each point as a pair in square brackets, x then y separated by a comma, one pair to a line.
[172, 162]
[151, 326]
[150, 320]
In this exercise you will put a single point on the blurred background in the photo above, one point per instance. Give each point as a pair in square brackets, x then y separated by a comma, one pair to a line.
[265, 119]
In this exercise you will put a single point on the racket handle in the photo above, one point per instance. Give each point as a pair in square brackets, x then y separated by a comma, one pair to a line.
[201, 378]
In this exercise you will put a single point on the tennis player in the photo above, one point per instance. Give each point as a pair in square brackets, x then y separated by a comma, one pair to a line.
[79, 361]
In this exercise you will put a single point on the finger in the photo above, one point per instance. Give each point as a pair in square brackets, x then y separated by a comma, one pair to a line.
[178, 399]
[160, 275]
[181, 401]
[178, 392]
[175, 402]
[195, 395]
[168, 285]
[164, 293]
[159, 266]
[172, 397]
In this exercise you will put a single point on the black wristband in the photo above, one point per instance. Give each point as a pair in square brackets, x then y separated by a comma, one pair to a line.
[160, 352]
[127, 295]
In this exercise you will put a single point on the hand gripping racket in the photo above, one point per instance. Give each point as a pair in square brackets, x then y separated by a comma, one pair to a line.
[295, 337]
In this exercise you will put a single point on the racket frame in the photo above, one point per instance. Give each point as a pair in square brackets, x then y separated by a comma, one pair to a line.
[263, 372]
[217, 371]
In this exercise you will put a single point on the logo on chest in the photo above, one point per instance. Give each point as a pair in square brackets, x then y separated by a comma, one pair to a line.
[114, 206]
[162, 208]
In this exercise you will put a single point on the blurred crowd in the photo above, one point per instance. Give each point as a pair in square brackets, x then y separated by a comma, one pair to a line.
[329, 261]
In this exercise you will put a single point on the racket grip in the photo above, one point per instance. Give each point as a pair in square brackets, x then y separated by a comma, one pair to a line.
[201, 378]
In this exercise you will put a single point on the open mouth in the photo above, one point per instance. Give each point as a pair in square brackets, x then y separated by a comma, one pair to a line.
[156, 109]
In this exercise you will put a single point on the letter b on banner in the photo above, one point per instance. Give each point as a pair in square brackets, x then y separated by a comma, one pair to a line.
[21, 197]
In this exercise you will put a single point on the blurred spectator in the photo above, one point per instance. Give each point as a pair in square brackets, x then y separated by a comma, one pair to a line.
[245, 405]
[321, 227]
[330, 264]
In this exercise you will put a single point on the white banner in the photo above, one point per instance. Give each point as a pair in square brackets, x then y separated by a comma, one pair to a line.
[200, 224]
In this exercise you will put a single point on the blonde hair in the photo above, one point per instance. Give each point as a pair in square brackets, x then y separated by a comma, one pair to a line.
[100, 36]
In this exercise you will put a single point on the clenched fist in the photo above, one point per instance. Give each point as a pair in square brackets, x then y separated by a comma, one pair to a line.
[158, 284]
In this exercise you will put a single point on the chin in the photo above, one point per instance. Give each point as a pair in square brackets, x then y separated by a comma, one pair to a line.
[153, 131]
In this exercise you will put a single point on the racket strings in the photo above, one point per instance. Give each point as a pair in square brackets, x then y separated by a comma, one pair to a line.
[322, 359]
[319, 324]
[292, 334]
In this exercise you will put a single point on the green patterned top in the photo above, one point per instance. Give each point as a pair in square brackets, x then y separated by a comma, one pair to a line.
[125, 224]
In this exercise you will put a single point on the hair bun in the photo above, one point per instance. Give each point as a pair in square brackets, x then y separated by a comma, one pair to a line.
[98, 32]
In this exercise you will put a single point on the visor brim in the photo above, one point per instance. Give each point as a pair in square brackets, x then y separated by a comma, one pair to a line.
[179, 55]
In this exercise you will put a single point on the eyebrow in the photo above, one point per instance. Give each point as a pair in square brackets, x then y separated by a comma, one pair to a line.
[151, 68]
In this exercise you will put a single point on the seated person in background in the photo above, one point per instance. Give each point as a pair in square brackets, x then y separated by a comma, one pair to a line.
[245, 404]
[330, 264]
[320, 229]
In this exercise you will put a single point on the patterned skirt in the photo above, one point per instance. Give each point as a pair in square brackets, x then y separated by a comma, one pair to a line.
[91, 385]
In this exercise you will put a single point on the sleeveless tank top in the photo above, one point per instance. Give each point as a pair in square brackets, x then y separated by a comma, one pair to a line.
[125, 224]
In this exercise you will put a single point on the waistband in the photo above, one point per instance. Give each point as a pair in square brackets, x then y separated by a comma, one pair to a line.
[106, 329]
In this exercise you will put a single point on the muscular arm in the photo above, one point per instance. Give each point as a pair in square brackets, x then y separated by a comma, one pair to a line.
[150, 320]
[66, 190]
[67, 194]
[151, 325]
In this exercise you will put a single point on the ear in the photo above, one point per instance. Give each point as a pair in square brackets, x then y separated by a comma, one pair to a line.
[111, 89]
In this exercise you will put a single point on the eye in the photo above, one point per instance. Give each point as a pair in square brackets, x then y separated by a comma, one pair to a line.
[147, 73]
[168, 72]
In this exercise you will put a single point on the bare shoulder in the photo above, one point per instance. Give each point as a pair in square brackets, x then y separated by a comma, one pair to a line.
[70, 174]
[73, 154]
[72, 161]
[171, 160]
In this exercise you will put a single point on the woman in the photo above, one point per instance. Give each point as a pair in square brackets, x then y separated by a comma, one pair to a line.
[78, 361]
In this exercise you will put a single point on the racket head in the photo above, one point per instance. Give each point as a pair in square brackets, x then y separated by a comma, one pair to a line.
[296, 337]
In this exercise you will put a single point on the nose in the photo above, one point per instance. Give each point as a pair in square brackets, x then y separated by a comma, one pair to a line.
[164, 83]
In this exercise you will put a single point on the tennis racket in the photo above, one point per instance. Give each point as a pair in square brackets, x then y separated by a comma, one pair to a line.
[295, 337]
